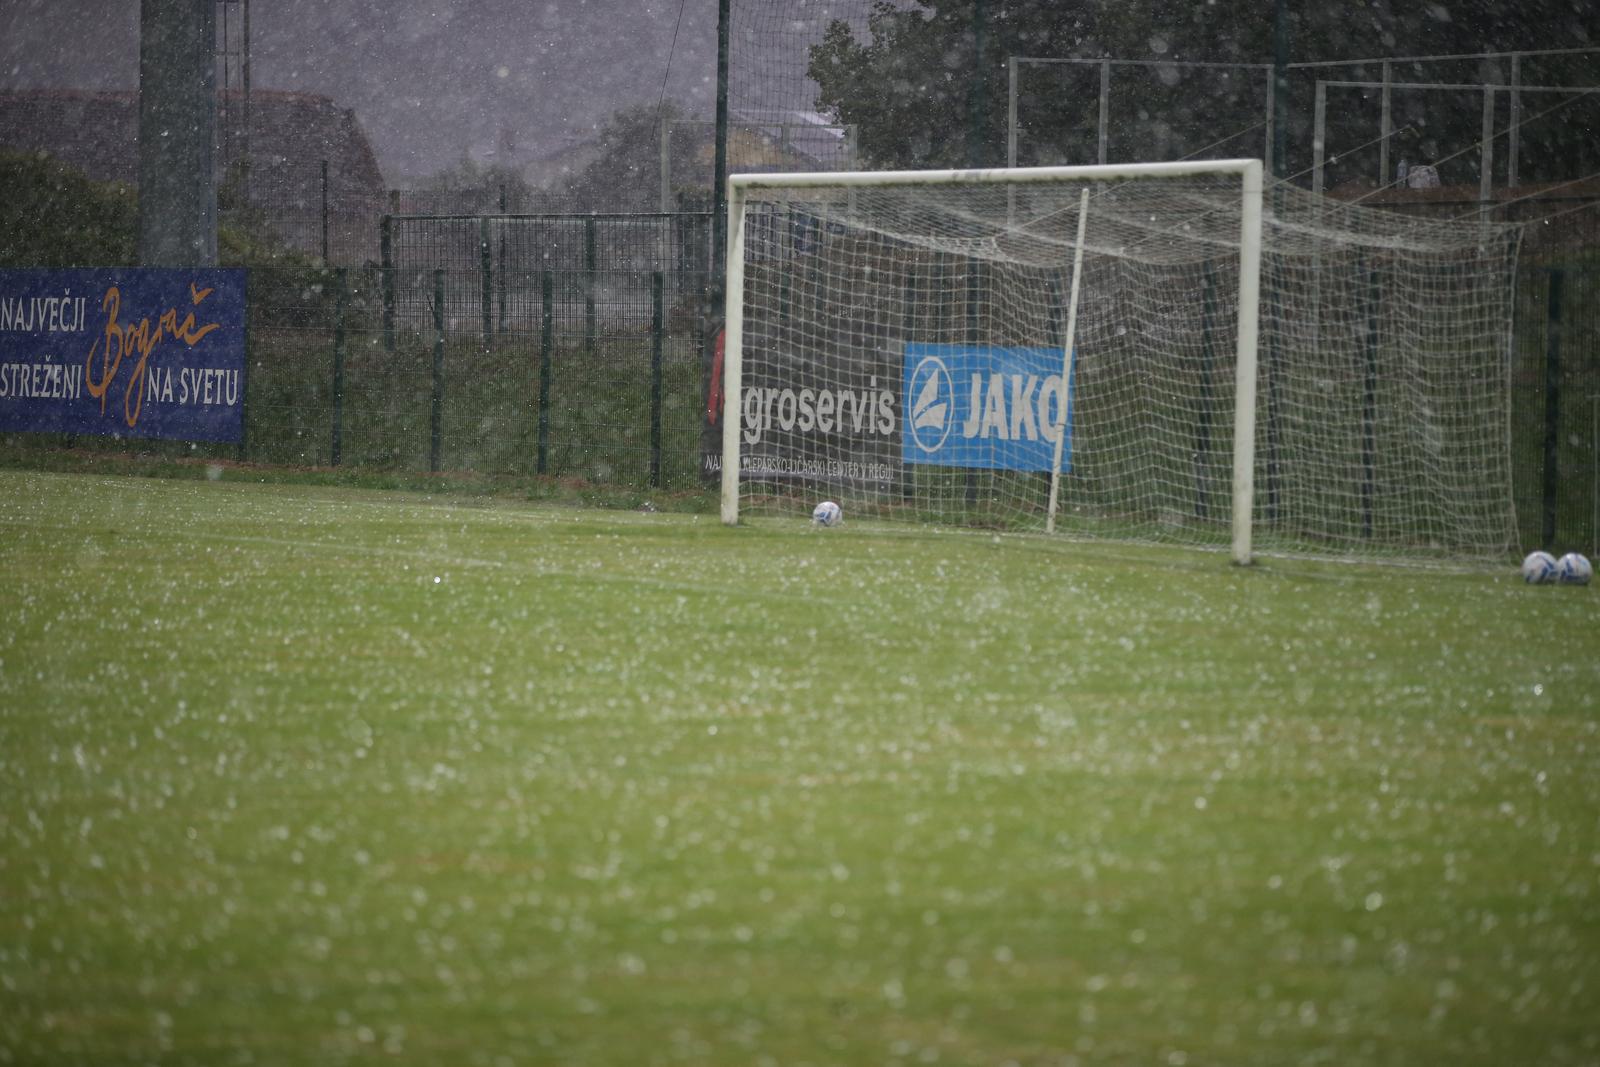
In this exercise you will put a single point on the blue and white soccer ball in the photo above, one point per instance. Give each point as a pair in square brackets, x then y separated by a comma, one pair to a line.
[1539, 568]
[1573, 569]
[827, 513]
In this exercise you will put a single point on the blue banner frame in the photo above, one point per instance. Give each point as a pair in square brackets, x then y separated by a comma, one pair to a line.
[984, 406]
[124, 352]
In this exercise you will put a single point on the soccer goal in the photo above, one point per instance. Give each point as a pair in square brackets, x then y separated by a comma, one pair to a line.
[1160, 351]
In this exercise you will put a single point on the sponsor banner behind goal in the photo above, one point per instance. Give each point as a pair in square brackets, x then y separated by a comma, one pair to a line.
[863, 420]
[985, 406]
[808, 420]
[123, 352]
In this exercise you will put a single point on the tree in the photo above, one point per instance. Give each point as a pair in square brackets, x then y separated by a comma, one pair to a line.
[471, 187]
[53, 216]
[625, 172]
[909, 82]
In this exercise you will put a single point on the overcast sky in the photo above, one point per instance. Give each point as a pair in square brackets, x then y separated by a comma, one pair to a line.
[429, 80]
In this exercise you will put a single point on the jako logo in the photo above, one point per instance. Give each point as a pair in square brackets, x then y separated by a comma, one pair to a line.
[932, 404]
[986, 406]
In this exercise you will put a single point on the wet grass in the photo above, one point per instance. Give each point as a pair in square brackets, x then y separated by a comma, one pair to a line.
[315, 774]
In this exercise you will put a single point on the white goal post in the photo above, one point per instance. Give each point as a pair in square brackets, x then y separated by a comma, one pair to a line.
[912, 344]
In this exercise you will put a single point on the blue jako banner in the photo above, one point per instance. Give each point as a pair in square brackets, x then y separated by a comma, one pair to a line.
[985, 406]
[123, 352]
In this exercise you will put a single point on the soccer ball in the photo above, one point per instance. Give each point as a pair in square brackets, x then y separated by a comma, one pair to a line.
[1573, 569]
[827, 513]
[1539, 568]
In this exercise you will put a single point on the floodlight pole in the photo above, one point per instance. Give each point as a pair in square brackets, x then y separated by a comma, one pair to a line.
[177, 128]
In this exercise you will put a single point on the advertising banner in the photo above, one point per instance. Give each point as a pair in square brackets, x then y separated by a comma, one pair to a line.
[123, 352]
[985, 406]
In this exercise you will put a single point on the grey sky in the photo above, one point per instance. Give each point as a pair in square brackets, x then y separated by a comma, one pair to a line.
[429, 80]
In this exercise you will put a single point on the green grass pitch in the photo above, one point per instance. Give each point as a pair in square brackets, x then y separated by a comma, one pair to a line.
[299, 775]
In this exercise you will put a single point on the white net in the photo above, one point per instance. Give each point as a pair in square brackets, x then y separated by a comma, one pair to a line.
[903, 352]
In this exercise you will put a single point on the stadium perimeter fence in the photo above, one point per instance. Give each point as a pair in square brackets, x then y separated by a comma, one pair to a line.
[568, 346]
[575, 346]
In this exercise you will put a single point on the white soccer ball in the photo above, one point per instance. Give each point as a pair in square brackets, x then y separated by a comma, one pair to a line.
[1573, 569]
[827, 513]
[1539, 568]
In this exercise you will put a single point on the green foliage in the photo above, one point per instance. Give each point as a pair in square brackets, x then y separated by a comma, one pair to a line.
[53, 216]
[921, 95]
[626, 174]
[477, 187]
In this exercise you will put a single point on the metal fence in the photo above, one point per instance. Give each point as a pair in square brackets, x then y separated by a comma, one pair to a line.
[569, 346]
[496, 266]
[575, 346]
[302, 206]
[1555, 430]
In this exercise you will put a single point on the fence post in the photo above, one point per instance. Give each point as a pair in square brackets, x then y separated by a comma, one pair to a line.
[324, 212]
[437, 419]
[1486, 154]
[486, 280]
[547, 289]
[590, 267]
[1369, 404]
[1552, 405]
[337, 449]
[386, 278]
[658, 329]
[500, 276]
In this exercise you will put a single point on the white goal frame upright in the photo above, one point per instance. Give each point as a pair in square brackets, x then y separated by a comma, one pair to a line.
[1249, 172]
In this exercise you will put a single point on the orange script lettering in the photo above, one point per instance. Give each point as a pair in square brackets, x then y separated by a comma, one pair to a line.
[140, 340]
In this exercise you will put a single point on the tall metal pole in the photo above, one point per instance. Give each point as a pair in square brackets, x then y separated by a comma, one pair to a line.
[716, 288]
[1280, 89]
[1011, 111]
[719, 166]
[1514, 140]
[244, 64]
[1103, 138]
[977, 97]
[1386, 127]
[177, 133]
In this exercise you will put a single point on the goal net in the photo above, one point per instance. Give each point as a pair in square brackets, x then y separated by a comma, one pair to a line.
[1144, 352]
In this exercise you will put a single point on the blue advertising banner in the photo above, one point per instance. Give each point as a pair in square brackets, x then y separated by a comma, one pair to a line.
[985, 406]
[123, 352]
